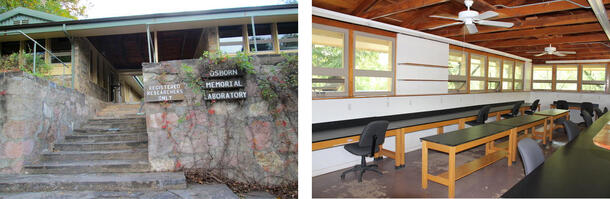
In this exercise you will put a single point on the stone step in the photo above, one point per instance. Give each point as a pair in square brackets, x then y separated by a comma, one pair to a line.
[107, 137]
[88, 166]
[101, 146]
[122, 121]
[115, 126]
[138, 154]
[135, 119]
[99, 131]
[93, 182]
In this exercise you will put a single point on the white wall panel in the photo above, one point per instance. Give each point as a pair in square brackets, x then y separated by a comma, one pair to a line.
[421, 51]
[420, 87]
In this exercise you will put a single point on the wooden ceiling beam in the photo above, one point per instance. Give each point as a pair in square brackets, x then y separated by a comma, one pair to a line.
[573, 57]
[555, 30]
[547, 21]
[478, 5]
[363, 7]
[401, 6]
[541, 8]
[532, 42]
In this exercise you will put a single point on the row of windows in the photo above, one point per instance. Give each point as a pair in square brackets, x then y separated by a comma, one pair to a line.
[570, 77]
[269, 37]
[372, 67]
[486, 73]
[61, 47]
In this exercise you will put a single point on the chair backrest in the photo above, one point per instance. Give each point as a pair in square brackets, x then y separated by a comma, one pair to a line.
[587, 117]
[483, 114]
[605, 110]
[531, 154]
[570, 128]
[588, 106]
[374, 131]
[516, 108]
[535, 105]
[598, 112]
[562, 104]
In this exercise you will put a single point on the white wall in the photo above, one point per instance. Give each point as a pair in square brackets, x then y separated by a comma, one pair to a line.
[431, 53]
[546, 98]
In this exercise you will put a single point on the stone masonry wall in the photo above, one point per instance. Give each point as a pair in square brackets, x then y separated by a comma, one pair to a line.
[82, 81]
[34, 114]
[244, 140]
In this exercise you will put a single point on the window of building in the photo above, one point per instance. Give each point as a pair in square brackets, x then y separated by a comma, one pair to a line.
[373, 64]
[508, 69]
[518, 76]
[21, 22]
[457, 71]
[567, 78]
[230, 39]
[329, 60]
[288, 35]
[62, 48]
[594, 77]
[493, 77]
[263, 38]
[477, 73]
[542, 77]
[10, 47]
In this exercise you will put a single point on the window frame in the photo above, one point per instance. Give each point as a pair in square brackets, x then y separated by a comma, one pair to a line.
[593, 82]
[484, 65]
[459, 78]
[494, 79]
[552, 67]
[334, 72]
[512, 76]
[372, 73]
[558, 81]
[521, 79]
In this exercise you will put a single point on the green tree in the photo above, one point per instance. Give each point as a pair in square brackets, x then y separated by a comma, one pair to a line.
[65, 8]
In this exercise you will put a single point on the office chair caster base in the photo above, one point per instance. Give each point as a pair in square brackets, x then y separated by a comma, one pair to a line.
[378, 158]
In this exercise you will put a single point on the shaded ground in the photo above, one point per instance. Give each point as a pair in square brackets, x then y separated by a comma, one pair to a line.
[247, 190]
[491, 181]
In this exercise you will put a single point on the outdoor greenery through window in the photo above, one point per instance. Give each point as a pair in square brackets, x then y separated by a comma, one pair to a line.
[288, 35]
[542, 78]
[519, 76]
[594, 77]
[457, 71]
[477, 73]
[507, 75]
[493, 76]
[263, 38]
[328, 60]
[373, 69]
[567, 77]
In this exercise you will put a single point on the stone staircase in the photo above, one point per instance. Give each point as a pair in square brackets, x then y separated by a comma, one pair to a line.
[109, 153]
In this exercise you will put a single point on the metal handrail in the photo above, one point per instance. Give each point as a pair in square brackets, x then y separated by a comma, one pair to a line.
[45, 49]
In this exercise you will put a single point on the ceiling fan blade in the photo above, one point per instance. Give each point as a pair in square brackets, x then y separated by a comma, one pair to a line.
[566, 52]
[443, 17]
[471, 28]
[446, 25]
[495, 23]
[538, 55]
[559, 54]
[487, 15]
[530, 52]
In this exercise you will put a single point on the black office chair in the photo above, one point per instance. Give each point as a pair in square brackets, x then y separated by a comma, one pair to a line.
[598, 113]
[531, 154]
[533, 108]
[562, 104]
[587, 117]
[372, 136]
[605, 110]
[587, 106]
[481, 118]
[570, 128]
[514, 112]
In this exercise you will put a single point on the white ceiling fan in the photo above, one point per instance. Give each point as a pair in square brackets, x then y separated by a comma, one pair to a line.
[471, 17]
[552, 51]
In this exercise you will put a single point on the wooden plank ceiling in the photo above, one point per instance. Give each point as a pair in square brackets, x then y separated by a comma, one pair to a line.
[566, 26]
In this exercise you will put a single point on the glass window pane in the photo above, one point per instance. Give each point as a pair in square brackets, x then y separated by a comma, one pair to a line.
[494, 67]
[493, 86]
[457, 86]
[263, 39]
[230, 39]
[10, 47]
[566, 86]
[327, 49]
[457, 63]
[594, 72]
[328, 83]
[477, 65]
[593, 87]
[518, 70]
[373, 54]
[288, 35]
[477, 85]
[543, 72]
[567, 72]
[518, 85]
[507, 85]
[373, 84]
[507, 69]
[542, 86]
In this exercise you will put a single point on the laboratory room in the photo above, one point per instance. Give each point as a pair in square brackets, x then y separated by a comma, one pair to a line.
[460, 98]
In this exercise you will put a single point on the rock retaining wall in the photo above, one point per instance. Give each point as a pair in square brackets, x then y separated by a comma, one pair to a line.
[34, 114]
[248, 140]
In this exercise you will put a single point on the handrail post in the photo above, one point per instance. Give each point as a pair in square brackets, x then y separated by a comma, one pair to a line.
[34, 64]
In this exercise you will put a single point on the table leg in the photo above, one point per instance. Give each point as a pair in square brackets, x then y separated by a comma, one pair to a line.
[487, 148]
[498, 117]
[399, 142]
[512, 137]
[440, 130]
[378, 154]
[461, 124]
[451, 183]
[424, 165]
[402, 149]
[551, 129]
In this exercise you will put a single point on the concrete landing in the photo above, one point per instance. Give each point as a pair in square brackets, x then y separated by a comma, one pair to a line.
[193, 191]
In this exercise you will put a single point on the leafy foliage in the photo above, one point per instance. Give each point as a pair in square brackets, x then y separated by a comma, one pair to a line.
[65, 8]
[11, 63]
[327, 56]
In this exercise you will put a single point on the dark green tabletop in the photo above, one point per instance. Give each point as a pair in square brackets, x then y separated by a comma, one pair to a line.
[462, 136]
[519, 120]
[551, 112]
